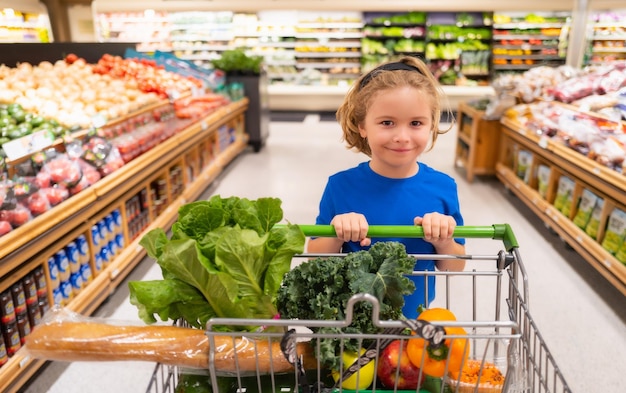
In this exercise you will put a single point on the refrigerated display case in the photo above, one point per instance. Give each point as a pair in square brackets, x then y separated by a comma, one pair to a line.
[607, 37]
[24, 21]
[522, 41]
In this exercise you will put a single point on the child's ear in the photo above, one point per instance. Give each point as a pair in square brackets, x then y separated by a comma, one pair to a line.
[362, 131]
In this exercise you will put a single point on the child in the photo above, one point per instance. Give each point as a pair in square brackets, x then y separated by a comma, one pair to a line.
[391, 114]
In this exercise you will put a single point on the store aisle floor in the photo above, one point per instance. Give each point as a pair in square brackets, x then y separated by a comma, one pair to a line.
[580, 315]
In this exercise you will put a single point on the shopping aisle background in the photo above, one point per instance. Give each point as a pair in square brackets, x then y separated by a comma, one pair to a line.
[581, 316]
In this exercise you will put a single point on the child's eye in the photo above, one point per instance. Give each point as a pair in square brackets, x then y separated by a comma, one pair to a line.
[387, 122]
[416, 123]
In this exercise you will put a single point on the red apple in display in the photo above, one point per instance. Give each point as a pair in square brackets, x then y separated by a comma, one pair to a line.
[394, 358]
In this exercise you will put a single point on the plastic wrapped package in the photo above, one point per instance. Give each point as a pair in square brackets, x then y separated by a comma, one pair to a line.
[17, 216]
[55, 194]
[63, 171]
[477, 376]
[64, 335]
[610, 152]
[102, 155]
[113, 162]
[5, 227]
[37, 203]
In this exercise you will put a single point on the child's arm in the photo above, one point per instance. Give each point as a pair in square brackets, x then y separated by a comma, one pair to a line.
[349, 227]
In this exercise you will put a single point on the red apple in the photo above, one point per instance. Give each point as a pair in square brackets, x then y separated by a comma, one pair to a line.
[394, 358]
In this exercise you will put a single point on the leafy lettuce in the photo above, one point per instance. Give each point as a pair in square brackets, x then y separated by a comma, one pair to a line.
[225, 258]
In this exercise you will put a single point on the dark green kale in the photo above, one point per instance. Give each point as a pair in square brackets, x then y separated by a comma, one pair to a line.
[319, 289]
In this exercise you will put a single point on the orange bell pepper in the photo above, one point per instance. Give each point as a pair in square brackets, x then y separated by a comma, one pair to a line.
[432, 360]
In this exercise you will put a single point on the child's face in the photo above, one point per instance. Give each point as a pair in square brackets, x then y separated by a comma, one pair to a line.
[397, 127]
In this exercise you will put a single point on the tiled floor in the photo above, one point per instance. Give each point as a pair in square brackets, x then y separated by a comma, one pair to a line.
[581, 316]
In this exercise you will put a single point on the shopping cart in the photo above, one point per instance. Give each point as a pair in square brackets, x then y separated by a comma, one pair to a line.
[490, 299]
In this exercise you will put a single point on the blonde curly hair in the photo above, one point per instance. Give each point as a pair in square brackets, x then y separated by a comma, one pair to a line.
[407, 71]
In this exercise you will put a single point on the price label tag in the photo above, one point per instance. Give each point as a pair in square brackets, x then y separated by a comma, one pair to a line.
[173, 94]
[24, 361]
[28, 144]
[197, 91]
[98, 120]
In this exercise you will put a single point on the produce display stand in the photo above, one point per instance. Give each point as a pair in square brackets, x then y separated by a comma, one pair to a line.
[185, 164]
[586, 173]
[477, 143]
[492, 306]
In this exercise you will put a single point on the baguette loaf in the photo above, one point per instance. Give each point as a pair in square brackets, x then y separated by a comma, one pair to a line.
[170, 345]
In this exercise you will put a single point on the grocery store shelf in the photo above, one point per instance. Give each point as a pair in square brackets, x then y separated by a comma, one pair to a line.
[30, 245]
[328, 98]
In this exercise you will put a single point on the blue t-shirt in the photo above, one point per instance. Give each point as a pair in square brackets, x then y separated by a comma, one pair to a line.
[387, 201]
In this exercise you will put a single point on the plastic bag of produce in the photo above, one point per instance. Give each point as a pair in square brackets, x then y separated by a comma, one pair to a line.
[17, 216]
[610, 152]
[55, 194]
[63, 171]
[37, 203]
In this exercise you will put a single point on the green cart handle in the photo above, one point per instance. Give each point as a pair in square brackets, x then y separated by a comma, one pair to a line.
[497, 231]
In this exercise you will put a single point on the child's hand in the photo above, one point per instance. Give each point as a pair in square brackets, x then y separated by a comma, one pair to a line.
[351, 227]
[438, 228]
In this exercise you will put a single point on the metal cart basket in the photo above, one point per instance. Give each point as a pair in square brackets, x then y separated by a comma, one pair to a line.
[490, 299]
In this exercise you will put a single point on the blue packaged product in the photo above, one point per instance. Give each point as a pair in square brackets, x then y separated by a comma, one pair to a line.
[98, 260]
[63, 265]
[119, 242]
[77, 282]
[73, 256]
[66, 291]
[108, 222]
[112, 248]
[105, 255]
[104, 233]
[85, 272]
[54, 272]
[95, 236]
[83, 248]
[57, 295]
[117, 219]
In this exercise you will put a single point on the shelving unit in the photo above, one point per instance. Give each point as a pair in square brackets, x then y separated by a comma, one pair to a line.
[523, 41]
[478, 142]
[458, 45]
[151, 29]
[311, 54]
[328, 47]
[562, 210]
[386, 35]
[25, 22]
[193, 157]
[607, 38]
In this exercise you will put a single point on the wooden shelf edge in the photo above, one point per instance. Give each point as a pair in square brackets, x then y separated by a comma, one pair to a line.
[470, 110]
[464, 137]
[17, 371]
[20, 367]
[581, 161]
[606, 264]
[19, 237]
